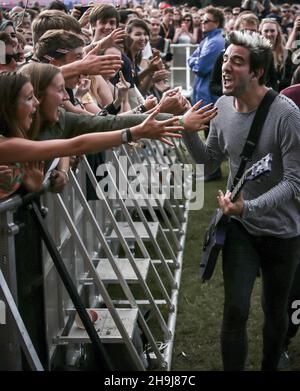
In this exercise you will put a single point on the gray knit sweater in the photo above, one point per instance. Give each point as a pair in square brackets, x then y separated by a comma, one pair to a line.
[272, 203]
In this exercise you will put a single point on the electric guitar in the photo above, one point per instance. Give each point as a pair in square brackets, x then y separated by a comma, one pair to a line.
[214, 238]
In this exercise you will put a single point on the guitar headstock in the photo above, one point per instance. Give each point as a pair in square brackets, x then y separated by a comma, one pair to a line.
[259, 168]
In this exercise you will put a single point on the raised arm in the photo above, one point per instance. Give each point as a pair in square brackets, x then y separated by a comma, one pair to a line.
[23, 150]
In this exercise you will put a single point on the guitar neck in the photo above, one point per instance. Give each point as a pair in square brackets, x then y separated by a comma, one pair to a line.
[238, 187]
[234, 195]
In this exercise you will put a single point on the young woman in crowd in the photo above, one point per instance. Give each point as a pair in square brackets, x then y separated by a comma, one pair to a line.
[177, 18]
[283, 65]
[22, 116]
[118, 93]
[143, 70]
[185, 33]
[19, 110]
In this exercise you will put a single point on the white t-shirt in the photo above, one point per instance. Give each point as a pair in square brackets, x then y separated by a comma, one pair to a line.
[147, 52]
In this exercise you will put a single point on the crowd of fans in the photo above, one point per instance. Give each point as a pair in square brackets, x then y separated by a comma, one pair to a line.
[107, 67]
[117, 60]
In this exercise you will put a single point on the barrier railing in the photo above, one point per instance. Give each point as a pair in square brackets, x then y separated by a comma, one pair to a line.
[181, 74]
[101, 245]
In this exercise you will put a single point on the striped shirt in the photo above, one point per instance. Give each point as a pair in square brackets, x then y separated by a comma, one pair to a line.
[272, 203]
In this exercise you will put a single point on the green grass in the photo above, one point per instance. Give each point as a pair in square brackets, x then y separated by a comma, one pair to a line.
[197, 345]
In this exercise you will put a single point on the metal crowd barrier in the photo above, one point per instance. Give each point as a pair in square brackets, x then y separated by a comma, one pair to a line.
[121, 257]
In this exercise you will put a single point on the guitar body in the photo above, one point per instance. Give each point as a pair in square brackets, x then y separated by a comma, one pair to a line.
[215, 235]
[213, 242]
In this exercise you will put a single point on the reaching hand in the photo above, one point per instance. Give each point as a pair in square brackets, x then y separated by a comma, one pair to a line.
[76, 13]
[59, 179]
[195, 119]
[150, 102]
[114, 38]
[173, 102]
[122, 86]
[155, 52]
[83, 87]
[296, 26]
[5, 174]
[11, 177]
[107, 65]
[155, 64]
[151, 128]
[85, 18]
[34, 176]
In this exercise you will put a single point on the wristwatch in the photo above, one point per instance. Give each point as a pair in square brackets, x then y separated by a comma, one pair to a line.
[126, 136]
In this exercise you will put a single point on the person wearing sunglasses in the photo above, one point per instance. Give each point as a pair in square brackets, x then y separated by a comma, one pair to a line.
[287, 21]
[9, 59]
[202, 60]
[186, 32]
[235, 12]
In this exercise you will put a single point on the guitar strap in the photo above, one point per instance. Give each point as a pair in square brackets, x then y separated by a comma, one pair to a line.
[254, 133]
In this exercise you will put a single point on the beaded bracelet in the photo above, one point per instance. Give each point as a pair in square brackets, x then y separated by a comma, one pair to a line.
[181, 120]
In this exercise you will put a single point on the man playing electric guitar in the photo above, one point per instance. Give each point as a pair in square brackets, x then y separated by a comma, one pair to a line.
[264, 228]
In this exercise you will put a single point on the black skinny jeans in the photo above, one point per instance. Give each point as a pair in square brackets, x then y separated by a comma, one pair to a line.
[243, 256]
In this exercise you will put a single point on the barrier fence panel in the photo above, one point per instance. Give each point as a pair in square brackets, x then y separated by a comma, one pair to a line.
[108, 248]
[117, 234]
[9, 344]
[159, 202]
[24, 338]
[13, 333]
[154, 159]
[181, 74]
[117, 272]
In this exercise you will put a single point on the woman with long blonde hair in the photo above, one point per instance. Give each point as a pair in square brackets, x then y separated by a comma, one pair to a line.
[283, 66]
